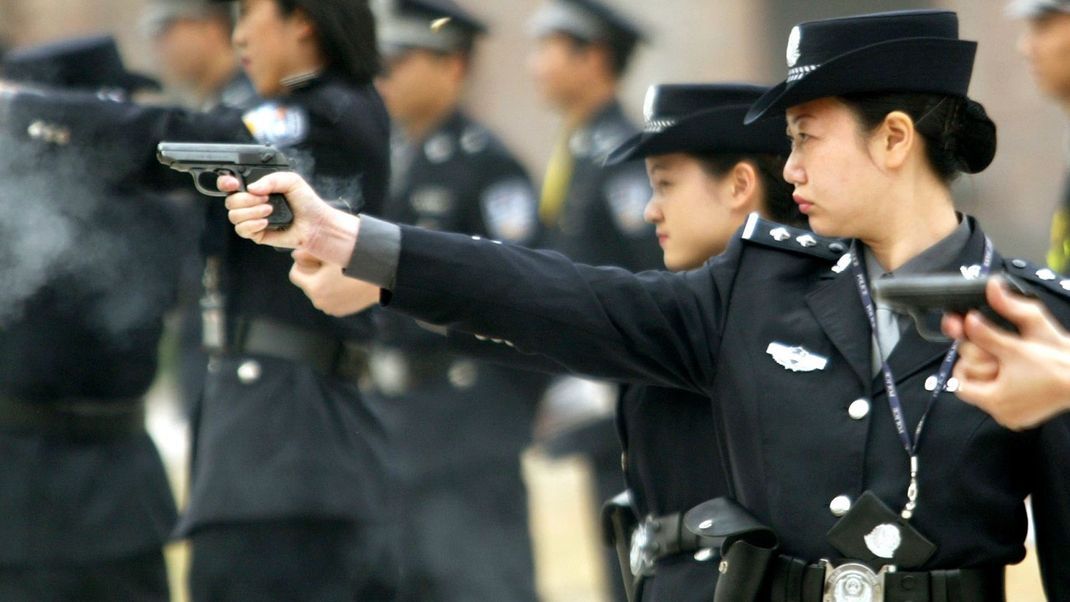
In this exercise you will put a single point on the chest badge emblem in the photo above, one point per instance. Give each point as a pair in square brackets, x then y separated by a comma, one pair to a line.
[884, 540]
[796, 359]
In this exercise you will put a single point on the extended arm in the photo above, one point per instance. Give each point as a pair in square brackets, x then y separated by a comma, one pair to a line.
[606, 322]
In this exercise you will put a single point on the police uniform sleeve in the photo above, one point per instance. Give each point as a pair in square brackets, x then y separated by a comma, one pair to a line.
[119, 138]
[501, 353]
[1050, 494]
[604, 322]
[1051, 507]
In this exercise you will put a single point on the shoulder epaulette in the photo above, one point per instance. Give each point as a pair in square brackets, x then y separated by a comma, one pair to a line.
[796, 240]
[1038, 274]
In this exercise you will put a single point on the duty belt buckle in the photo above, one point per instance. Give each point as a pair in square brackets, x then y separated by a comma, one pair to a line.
[854, 582]
[643, 551]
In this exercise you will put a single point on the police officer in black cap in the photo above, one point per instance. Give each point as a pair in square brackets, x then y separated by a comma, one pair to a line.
[191, 40]
[198, 63]
[89, 270]
[708, 172]
[592, 212]
[457, 426]
[1045, 44]
[857, 473]
[288, 495]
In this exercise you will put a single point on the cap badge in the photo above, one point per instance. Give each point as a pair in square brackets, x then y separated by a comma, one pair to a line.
[793, 46]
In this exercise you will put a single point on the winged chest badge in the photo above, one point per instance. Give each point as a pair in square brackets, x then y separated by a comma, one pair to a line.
[796, 358]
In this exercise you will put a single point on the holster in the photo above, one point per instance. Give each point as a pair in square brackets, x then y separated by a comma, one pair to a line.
[618, 522]
[747, 552]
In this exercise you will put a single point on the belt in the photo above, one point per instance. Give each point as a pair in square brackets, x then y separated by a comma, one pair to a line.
[658, 537]
[793, 580]
[327, 355]
[396, 372]
[83, 417]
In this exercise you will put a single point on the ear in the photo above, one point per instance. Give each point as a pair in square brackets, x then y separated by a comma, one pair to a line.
[304, 26]
[744, 184]
[895, 139]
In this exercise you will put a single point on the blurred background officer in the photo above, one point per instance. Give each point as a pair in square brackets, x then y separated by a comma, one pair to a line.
[592, 212]
[199, 66]
[85, 501]
[191, 40]
[457, 426]
[288, 493]
[1046, 46]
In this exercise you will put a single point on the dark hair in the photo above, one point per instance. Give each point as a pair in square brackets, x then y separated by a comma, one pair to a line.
[779, 204]
[346, 33]
[959, 136]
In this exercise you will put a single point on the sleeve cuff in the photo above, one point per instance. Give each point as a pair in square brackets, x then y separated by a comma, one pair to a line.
[377, 253]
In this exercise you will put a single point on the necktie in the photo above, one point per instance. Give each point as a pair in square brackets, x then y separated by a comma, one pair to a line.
[888, 332]
[556, 182]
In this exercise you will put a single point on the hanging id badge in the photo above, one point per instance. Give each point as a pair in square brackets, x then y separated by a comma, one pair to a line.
[871, 531]
[877, 535]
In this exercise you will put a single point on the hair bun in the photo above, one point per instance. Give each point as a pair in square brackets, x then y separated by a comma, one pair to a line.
[976, 139]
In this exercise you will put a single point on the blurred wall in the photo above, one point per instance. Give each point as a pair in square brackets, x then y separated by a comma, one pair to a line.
[695, 40]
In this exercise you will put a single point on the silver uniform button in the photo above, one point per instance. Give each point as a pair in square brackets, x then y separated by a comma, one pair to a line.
[462, 374]
[952, 385]
[858, 409]
[704, 554]
[840, 505]
[930, 383]
[249, 372]
[1046, 274]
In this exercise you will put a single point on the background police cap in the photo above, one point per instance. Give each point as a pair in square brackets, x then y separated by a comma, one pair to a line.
[905, 51]
[1035, 8]
[702, 119]
[438, 25]
[588, 20]
[89, 63]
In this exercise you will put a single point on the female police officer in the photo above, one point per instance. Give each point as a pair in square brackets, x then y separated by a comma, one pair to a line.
[861, 472]
[708, 172]
[281, 506]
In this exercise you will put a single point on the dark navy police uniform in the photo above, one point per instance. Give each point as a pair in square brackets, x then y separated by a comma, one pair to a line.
[710, 331]
[601, 220]
[288, 457]
[458, 426]
[89, 269]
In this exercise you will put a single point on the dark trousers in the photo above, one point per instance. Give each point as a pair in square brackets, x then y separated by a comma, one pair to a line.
[138, 578]
[466, 538]
[313, 560]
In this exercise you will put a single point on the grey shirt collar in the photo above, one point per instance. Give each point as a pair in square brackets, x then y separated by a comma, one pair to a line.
[936, 258]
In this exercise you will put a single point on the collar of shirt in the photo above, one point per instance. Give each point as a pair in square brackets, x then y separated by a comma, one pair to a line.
[943, 256]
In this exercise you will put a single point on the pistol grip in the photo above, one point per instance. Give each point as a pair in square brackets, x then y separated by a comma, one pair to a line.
[281, 216]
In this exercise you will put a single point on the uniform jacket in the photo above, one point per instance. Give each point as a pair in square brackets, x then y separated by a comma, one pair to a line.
[467, 415]
[790, 443]
[89, 271]
[601, 220]
[291, 425]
